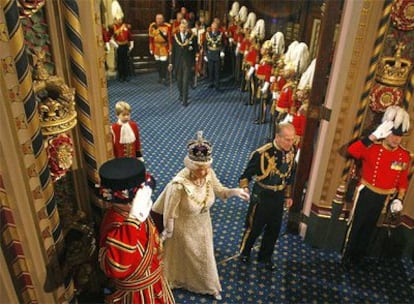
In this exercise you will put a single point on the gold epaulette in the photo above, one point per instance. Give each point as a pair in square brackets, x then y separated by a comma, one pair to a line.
[264, 148]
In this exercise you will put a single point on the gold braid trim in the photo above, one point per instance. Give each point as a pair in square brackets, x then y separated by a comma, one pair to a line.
[186, 42]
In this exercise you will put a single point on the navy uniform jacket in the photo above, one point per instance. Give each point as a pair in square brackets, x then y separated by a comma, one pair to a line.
[213, 44]
[272, 168]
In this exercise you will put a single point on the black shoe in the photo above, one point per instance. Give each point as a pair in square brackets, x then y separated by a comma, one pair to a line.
[180, 98]
[245, 259]
[185, 102]
[210, 86]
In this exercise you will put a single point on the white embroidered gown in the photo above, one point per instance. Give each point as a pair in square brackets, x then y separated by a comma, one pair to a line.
[189, 254]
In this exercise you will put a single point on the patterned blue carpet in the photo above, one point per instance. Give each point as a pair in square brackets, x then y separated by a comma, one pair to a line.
[304, 274]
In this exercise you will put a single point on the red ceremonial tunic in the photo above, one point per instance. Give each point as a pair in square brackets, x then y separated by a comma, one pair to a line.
[264, 71]
[122, 33]
[251, 57]
[285, 101]
[278, 84]
[126, 150]
[159, 45]
[232, 31]
[245, 45]
[130, 255]
[384, 171]
[299, 122]
[105, 35]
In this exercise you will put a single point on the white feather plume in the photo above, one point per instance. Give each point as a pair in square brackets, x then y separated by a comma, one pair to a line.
[278, 43]
[243, 14]
[116, 9]
[250, 21]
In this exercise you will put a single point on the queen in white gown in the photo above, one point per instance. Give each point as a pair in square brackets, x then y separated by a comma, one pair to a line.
[185, 204]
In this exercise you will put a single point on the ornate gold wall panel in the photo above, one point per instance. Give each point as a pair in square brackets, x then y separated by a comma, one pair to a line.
[27, 162]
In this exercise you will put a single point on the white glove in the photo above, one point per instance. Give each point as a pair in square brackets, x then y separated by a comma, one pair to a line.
[141, 159]
[396, 206]
[265, 87]
[151, 52]
[297, 156]
[256, 66]
[236, 52]
[113, 42]
[141, 205]
[205, 59]
[240, 193]
[245, 53]
[288, 119]
[272, 79]
[168, 230]
[275, 95]
[231, 40]
[131, 46]
[250, 72]
[383, 130]
[107, 47]
[221, 54]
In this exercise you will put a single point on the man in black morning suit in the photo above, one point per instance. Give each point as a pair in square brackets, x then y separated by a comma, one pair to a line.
[183, 58]
[214, 47]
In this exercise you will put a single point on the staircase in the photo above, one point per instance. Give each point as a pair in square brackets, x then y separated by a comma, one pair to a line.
[142, 60]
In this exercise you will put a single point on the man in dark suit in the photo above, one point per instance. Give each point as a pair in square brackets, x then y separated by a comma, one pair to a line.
[183, 58]
[214, 47]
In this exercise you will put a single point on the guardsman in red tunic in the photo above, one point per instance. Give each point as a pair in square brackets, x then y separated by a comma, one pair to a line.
[286, 99]
[251, 58]
[277, 83]
[160, 40]
[125, 133]
[385, 167]
[130, 247]
[121, 38]
[263, 75]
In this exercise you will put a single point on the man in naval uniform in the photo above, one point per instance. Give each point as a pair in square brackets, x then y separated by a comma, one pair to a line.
[214, 47]
[183, 58]
[160, 45]
[273, 167]
[385, 167]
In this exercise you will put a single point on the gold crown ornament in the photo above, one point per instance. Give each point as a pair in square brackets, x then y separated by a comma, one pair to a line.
[394, 71]
[56, 101]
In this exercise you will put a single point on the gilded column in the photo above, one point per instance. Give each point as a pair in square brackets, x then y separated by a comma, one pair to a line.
[80, 82]
[20, 101]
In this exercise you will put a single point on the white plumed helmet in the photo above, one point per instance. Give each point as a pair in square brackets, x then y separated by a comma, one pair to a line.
[243, 14]
[278, 43]
[289, 52]
[250, 21]
[400, 117]
[300, 57]
[234, 9]
[306, 79]
[117, 12]
[259, 29]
